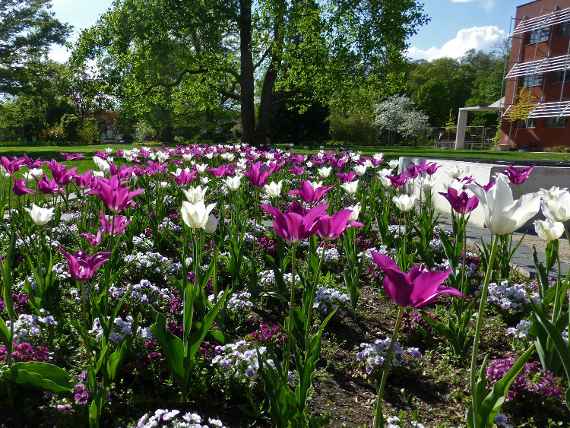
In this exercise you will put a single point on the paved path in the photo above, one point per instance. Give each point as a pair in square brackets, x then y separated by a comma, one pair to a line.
[523, 257]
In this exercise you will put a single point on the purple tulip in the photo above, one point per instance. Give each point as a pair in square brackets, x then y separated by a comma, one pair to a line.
[224, 170]
[293, 226]
[518, 175]
[416, 288]
[297, 170]
[460, 202]
[258, 174]
[309, 193]
[186, 177]
[60, 173]
[332, 226]
[46, 185]
[85, 180]
[72, 156]
[398, 181]
[113, 225]
[115, 196]
[20, 188]
[431, 168]
[12, 165]
[346, 177]
[82, 266]
[92, 239]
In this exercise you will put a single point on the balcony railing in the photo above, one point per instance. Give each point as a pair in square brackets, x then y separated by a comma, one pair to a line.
[543, 21]
[541, 66]
[552, 109]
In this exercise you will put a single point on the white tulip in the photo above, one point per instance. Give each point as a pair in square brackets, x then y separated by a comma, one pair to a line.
[404, 202]
[325, 171]
[316, 184]
[273, 189]
[378, 157]
[196, 215]
[204, 180]
[548, 229]
[355, 212]
[394, 163]
[556, 204]
[360, 170]
[233, 183]
[211, 224]
[201, 167]
[34, 173]
[227, 156]
[385, 181]
[195, 194]
[351, 187]
[187, 157]
[101, 164]
[503, 215]
[98, 174]
[39, 215]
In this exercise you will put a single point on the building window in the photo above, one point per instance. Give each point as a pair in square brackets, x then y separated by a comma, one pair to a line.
[534, 80]
[558, 76]
[539, 36]
[555, 122]
[565, 29]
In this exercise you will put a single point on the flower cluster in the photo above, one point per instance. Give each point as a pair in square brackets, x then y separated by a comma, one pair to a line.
[532, 379]
[328, 299]
[176, 419]
[120, 330]
[239, 360]
[373, 355]
[239, 302]
[511, 298]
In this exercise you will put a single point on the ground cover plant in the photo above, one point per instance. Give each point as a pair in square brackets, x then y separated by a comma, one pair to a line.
[235, 286]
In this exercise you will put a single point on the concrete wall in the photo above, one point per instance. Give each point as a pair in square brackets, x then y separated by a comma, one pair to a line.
[543, 177]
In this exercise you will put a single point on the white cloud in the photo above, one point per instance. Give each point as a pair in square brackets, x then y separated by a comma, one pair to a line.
[59, 53]
[478, 38]
[487, 4]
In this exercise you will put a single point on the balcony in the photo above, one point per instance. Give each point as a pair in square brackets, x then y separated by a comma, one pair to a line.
[541, 66]
[552, 109]
[543, 21]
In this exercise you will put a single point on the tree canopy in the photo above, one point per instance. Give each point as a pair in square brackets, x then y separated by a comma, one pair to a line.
[174, 55]
[27, 29]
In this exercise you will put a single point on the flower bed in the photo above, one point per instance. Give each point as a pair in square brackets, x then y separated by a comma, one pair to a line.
[231, 286]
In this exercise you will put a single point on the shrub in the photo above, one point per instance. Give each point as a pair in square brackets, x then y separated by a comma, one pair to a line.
[89, 132]
[352, 128]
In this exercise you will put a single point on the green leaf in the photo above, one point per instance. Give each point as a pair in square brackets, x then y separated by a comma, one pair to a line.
[115, 360]
[5, 332]
[492, 403]
[43, 376]
[172, 346]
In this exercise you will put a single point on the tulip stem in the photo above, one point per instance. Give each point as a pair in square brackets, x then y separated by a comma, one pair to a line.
[289, 349]
[378, 411]
[478, 326]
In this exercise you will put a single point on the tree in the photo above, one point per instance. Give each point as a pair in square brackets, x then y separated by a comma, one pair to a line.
[398, 115]
[27, 29]
[220, 53]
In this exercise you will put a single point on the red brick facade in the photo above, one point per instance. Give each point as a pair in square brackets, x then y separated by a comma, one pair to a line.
[539, 133]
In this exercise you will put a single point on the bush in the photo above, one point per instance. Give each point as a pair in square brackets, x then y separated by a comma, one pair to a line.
[352, 128]
[144, 132]
[70, 124]
[89, 132]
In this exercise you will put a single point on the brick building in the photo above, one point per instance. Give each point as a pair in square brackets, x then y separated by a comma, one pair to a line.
[537, 84]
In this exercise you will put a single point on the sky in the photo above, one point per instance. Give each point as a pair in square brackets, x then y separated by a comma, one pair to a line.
[455, 27]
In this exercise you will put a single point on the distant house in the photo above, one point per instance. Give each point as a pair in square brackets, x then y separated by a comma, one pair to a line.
[107, 123]
[539, 64]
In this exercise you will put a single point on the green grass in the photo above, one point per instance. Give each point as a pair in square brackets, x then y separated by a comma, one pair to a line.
[48, 152]
[481, 155]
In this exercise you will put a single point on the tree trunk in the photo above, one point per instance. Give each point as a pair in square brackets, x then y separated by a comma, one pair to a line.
[262, 132]
[246, 76]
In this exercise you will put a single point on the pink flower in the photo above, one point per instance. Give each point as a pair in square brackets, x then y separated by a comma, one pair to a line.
[93, 240]
[294, 226]
[460, 202]
[20, 188]
[331, 227]
[416, 288]
[186, 176]
[60, 173]
[346, 177]
[72, 156]
[11, 165]
[297, 170]
[113, 225]
[82, 266]
[309, 193]
[258, 174]
[46, 185]
[115, 196]
[518, 175]
[224, 170]
[398, 180]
